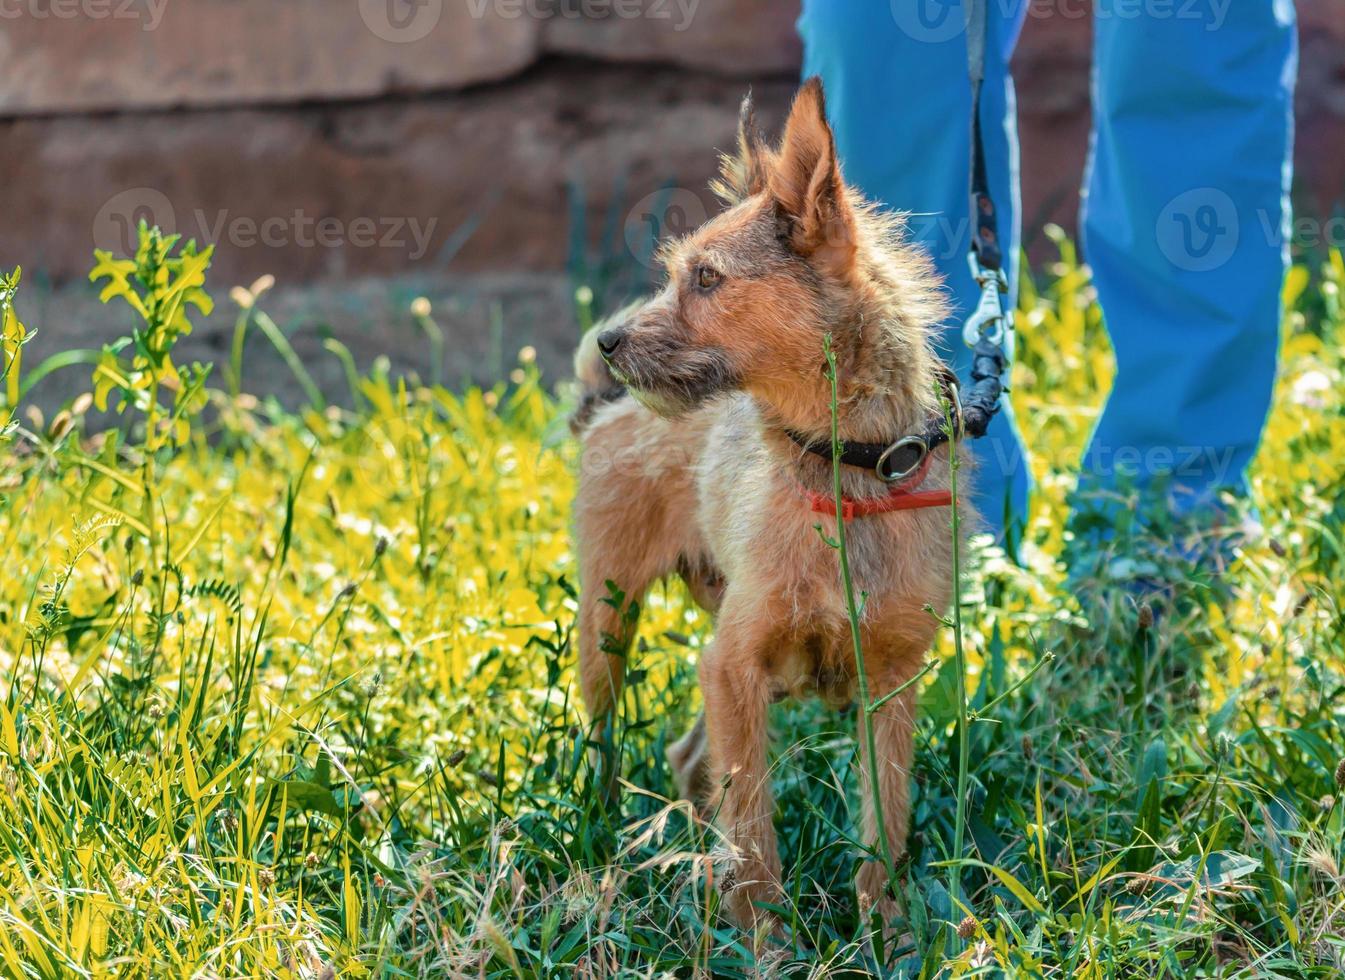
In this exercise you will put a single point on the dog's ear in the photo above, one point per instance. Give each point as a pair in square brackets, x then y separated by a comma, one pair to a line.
[743, 174]
[805, 181]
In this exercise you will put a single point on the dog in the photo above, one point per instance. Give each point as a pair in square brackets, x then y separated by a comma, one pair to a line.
[706, 430]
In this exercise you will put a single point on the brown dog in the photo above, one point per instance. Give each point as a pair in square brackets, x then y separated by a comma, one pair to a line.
[703, 473]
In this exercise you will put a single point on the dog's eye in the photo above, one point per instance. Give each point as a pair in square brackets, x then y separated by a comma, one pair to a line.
[707, 278]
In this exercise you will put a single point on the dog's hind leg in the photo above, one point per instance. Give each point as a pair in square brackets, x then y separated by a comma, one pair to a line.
[689, 757]
[634, 517]
[627, 539]
[703, 581]
[608, 617]
[607, 624]
[737, 694]
[893, 727]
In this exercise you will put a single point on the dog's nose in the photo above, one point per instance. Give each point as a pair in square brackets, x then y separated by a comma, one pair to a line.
[609, 341]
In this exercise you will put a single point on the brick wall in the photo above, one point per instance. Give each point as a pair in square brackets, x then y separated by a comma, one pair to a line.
[438, 145]
[246, 120]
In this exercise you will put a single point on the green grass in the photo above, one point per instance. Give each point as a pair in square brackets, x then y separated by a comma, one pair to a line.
[293, 695]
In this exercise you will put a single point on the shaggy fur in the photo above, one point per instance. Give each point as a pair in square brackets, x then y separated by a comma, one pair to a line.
[696, 476]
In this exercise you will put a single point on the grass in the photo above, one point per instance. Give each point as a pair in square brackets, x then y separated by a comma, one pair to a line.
[293, 695]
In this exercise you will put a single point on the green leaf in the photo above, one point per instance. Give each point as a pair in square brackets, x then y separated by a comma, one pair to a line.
[1016, 887]
[1148, 807]
[301, 794]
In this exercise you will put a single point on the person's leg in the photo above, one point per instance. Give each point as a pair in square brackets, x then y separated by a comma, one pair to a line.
[1185, 227]
[899, 99]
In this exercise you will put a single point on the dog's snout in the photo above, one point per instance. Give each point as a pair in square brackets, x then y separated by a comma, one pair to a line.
[609, 340]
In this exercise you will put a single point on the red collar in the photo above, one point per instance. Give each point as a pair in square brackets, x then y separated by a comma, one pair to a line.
[904, 496]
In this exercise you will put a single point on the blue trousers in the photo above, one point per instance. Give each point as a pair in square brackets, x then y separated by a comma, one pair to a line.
[1185, 207]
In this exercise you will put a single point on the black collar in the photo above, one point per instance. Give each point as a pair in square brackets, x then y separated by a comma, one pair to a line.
[890, 461]
[898, 459]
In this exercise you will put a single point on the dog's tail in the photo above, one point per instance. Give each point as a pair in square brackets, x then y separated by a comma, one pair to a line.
[597, 387]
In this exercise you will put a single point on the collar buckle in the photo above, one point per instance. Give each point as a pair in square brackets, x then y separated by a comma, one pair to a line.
[914, 447]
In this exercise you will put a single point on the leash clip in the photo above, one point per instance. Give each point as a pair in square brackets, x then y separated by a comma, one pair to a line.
[990, 321]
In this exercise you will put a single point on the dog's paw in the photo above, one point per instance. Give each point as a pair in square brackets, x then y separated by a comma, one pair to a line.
[744, 909]
[746, 887]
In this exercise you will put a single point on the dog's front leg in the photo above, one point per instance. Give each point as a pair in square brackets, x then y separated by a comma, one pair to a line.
[736, 698]
[893, 725]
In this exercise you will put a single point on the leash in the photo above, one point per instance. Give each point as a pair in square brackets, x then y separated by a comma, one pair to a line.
[988, 331]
